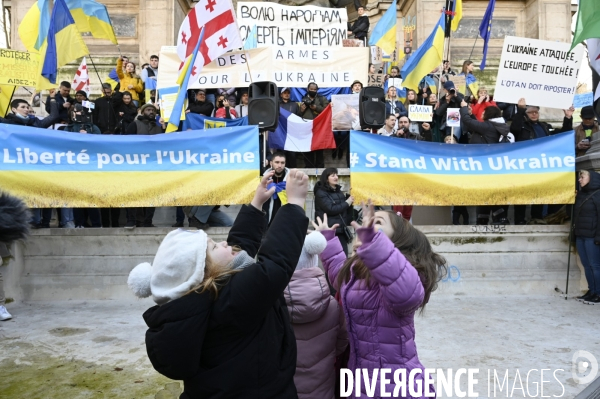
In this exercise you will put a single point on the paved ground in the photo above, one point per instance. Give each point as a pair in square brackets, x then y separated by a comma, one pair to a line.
[96, 349]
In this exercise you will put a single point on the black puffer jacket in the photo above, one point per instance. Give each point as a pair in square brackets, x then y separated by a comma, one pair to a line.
[241, 345]
[487, 132]
[332, 202]
[587, 209]
[523, 128]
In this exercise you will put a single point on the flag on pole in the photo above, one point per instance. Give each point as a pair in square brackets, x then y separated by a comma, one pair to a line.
[183, 81]
[588, 22]
[91, 16]
[427, 57]
[221, 32]
[81, 81]
[63, 45]
[33, 29]
[457, 14]
[252, 39]
[485, 30]
[384, 33]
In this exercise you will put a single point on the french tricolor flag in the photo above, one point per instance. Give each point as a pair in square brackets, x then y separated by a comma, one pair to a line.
[302, 135]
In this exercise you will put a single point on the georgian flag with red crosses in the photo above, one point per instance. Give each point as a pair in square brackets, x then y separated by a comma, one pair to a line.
[81, 81]
[221, 33]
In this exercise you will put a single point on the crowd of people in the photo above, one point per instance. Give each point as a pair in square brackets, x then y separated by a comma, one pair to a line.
[131, 107]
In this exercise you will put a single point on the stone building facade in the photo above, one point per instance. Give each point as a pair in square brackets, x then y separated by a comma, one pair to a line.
[143, 26]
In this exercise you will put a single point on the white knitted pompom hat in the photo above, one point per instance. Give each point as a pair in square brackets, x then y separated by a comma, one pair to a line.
[178, 267]
[314, 244]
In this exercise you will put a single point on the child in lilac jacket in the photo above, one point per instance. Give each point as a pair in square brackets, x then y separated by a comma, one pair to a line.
[391, 276]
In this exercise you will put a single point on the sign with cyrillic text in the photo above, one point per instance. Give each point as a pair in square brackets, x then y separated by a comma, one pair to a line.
[410, 172]
[542, 72]
[287, 26]
[286, 67]
[420, 113]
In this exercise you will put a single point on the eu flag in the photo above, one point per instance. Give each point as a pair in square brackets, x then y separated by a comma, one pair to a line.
[485, 30]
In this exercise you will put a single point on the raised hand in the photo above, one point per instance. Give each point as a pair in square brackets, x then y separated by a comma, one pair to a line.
[263, 194]
[569, 112]
[322, 224]
[522, 103]
[297, 187]
[368, 215]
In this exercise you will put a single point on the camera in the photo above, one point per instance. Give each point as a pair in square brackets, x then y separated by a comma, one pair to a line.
[307, 101]
[452, 91]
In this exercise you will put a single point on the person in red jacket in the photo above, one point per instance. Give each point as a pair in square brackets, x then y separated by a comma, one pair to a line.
[483, 101]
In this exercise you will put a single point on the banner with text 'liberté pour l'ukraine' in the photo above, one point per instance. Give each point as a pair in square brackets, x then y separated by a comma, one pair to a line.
[50, 168]
[394, 171]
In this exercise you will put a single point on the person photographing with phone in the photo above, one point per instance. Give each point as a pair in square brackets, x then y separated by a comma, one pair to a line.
[224, 110]
[483, 101]
[585, 130]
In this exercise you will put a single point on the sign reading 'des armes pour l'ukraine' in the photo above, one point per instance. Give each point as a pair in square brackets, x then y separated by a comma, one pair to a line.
[50, 168]
[542, 72]
[398, 171]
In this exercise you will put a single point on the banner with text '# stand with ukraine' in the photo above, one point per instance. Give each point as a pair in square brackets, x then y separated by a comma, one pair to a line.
[50, 168]
[394, 171]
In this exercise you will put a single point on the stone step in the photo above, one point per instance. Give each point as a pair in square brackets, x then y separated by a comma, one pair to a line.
[62, 264]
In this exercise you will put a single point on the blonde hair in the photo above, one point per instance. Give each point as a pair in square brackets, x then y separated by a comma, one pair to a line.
[215, 276]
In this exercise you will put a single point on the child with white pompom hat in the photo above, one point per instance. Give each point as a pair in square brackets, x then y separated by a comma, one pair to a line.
[221, 323]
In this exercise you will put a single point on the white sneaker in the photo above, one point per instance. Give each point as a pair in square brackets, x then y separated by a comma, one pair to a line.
[69, 225]
[4, 315]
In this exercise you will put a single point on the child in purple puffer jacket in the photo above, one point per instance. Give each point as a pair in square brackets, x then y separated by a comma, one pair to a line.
[391, 275]
[318, 323]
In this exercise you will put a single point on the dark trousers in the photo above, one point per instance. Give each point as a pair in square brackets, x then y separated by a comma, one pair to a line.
[457, 212]
[342, 144]
[290, 159]
[142, 216]
[110, 216]
[537, 212]
[81, 216]
[315, 159]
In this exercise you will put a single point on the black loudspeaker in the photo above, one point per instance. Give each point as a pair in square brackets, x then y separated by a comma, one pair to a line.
[371, 107]
[263, 105]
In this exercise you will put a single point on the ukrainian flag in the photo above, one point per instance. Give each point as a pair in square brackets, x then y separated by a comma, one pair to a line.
[384, 34]
[457, 8]
[183, 82]
[113, 78]
[428, 56]
[63, 45]
[92, 17]
[34, 26]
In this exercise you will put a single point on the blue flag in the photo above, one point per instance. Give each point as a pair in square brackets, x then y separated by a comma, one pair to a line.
[485, 30]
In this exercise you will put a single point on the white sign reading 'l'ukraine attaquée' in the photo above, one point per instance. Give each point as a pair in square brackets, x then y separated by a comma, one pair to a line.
[542, 72]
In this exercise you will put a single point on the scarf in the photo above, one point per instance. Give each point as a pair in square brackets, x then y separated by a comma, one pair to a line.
[279, 187]
[241, 260]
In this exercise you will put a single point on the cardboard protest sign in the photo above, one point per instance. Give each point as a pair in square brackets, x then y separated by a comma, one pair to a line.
[376, 55]
[279, 25]
[453, 117]
[583, 99]
[344, 112]
[376, 79]
[420, 113]
[460, 83]
[292, 67]
[19, 68]
[542, 72]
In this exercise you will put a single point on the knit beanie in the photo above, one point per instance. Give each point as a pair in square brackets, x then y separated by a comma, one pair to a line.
[178, 267]
[314, 244]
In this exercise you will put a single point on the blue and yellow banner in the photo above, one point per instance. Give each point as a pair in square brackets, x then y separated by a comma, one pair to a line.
[50, 168]
[393, 171]
[197, 121]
